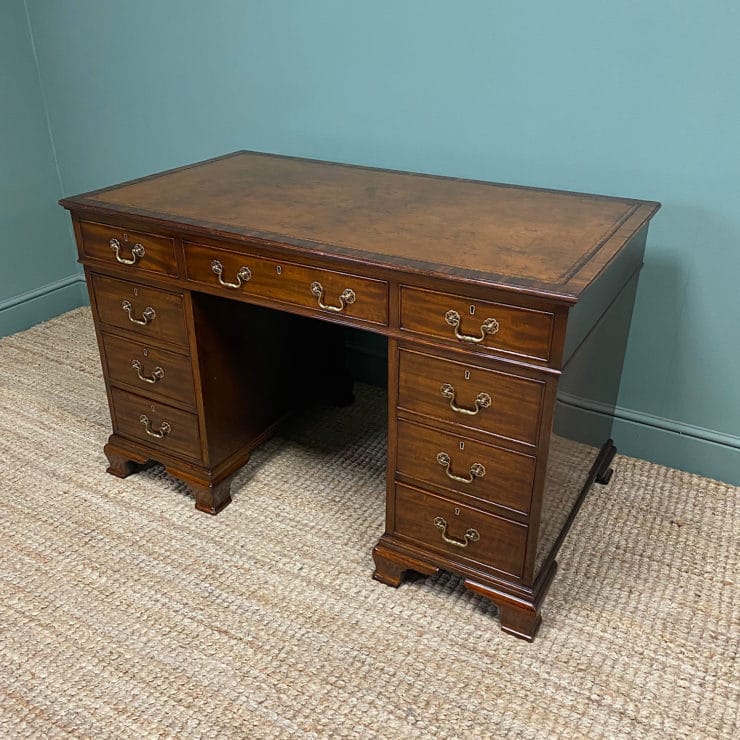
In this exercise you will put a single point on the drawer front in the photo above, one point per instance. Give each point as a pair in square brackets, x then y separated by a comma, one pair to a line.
[430, 520]
[487, 400]
[153, 371]
[135, 250]
[477, 325]
[482, 471]
[149, 312]
[339, 293]
[169, 429]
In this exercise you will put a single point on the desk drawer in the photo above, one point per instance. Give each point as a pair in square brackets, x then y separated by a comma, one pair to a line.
[149, 312]
[135, 250]
[490, 401]
[156, 424]
[153, 371]
[340, 293]
[482, 471]
[477, 325]
[430, 520]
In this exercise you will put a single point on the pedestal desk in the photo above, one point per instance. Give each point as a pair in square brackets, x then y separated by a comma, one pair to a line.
[506, 311]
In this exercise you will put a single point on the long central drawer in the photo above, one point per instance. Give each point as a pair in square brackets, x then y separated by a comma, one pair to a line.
[326, 291]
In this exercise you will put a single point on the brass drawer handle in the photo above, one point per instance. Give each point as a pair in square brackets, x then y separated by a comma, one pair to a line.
[348, 296]
[137, 252]
[477, 470]
[244, 275]
[489, 326]
[472, 535]
[146, 318]
[155, 377]
[482, 401]
[164, 427]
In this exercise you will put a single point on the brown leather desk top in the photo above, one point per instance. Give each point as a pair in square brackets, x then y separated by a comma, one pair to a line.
[542, 242]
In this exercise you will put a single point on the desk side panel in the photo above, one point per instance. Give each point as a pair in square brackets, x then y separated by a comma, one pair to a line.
[582, 422]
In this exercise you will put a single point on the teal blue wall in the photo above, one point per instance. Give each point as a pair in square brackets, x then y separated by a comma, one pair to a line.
[630, 98]
[37, 271]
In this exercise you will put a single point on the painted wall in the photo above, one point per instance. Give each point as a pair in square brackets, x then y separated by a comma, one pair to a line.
[631, 98]
[37, 272]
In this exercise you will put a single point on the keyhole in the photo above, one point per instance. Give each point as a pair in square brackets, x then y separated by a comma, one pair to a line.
[472, 310]
[467, 375]
[136, 291]
[153, 409]
[125, 236]
[457, 511]
[462, 445]
[279, 270]
[145, 352]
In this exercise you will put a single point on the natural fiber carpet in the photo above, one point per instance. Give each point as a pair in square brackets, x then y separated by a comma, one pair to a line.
[125, 613]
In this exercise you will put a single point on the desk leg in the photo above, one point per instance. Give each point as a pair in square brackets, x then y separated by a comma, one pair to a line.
[212, 498]
[519, 614]
[519, 617]
[391, 567]
[121, 462]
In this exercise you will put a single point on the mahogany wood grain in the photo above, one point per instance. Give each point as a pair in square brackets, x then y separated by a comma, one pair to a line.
[168, 323]
[508, 477]
[182, 439]
[175, 382]
[516, 401]
[159, 251]
[520, 331]
[289, 282]
[501, 543]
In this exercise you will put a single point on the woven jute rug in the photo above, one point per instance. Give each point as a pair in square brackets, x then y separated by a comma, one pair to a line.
[126, 613]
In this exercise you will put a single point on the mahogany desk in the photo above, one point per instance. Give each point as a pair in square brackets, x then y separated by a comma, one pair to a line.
[504, 307]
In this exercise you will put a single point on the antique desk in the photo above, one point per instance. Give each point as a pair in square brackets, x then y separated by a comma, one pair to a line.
[506, 312]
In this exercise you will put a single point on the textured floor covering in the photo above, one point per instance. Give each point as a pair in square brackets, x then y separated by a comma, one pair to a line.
[125, 613]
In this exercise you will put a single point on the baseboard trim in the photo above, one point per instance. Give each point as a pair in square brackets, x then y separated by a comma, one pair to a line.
[667, 441]
[657, 422]
[40, 304]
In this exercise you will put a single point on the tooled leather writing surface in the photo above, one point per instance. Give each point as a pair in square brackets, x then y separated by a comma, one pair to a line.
[502, 234]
